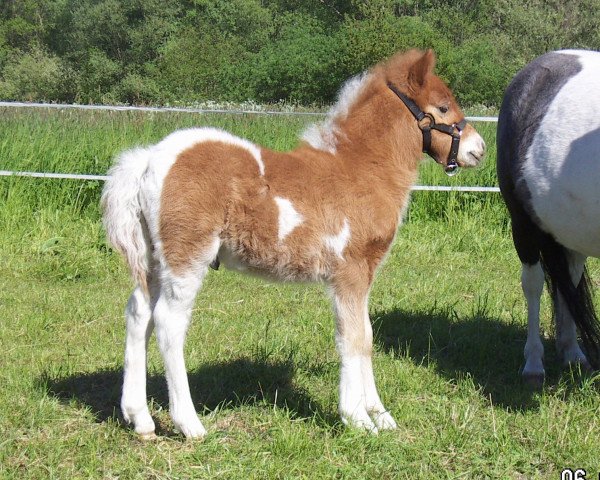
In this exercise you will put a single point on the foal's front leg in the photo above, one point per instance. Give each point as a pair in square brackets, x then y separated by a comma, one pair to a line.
[360, 405]
[382, 418]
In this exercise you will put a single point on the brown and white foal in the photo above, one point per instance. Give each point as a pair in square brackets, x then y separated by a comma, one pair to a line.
[327, 211]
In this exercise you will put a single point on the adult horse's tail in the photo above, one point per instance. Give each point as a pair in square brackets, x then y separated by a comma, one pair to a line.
[123, 219]
[578, 298]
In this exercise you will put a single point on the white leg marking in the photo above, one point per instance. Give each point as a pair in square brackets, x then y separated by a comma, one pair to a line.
[172, 316]
[532, 281]
[566, 331]
[289, 218]
[337, 243]
[352, 393]
[378, 413]
[138, 315]
[358, 395]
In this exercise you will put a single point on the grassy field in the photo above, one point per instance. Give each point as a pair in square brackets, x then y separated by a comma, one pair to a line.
[447, 310]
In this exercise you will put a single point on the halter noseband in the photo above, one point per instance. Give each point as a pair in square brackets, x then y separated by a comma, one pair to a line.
[427, 123]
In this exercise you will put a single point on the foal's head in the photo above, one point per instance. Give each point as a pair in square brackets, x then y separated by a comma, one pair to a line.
[433, 108]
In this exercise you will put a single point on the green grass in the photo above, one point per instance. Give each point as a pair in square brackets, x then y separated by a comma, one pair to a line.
[447, 310]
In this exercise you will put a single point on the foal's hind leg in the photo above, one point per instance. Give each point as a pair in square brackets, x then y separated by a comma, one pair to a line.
[566, 331]
[138, 315]
[172, 315]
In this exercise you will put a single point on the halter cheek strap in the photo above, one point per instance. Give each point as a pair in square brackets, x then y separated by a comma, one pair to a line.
[427, 123]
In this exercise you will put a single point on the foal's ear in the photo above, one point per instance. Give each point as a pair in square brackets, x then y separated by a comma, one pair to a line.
[419, 71]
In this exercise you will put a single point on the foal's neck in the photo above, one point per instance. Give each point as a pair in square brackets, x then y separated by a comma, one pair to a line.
[381, 141]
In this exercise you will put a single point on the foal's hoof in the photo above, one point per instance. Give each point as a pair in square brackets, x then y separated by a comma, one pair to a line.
[384, 421]
[192, 429]
[147, 437]
[360, 420]
[534, 380]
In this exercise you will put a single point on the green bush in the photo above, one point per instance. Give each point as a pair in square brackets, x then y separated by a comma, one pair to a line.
[161, 51]
[35, 75]
[97, 76]
[478, 72]
[138, 89]
[197, 65]
[300, 65]
[366, 42]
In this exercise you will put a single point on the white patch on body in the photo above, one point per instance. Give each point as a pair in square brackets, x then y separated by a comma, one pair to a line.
[337, 243]
[289, 218]
[562, 165]
[325, 136]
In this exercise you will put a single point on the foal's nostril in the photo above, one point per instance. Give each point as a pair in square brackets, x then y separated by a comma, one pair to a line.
[482, 146]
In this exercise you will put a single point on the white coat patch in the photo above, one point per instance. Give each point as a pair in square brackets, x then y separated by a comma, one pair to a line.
[289, 218]
[324, 136]
[337, 243]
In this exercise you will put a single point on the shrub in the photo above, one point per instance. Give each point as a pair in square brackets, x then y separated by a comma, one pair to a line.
[35, 75]
[299, 65]
[97, 76]
[137, 89]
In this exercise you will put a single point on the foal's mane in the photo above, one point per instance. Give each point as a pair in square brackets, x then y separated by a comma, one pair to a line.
[361, 88]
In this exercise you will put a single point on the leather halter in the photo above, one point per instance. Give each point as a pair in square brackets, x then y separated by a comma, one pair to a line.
[427, 123]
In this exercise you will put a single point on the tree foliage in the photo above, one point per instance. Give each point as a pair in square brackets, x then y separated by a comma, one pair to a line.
[162, 51]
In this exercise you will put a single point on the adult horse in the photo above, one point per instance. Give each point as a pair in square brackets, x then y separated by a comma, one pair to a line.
[549, 173]
[327, 211]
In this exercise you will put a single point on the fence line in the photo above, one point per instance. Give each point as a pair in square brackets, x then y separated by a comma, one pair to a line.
[125, 108]
[76, 176]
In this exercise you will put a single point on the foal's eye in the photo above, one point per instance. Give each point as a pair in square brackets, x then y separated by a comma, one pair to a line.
[443, 109]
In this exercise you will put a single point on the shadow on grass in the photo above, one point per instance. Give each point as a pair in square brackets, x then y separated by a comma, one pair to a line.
[226, 385]
[487, 350]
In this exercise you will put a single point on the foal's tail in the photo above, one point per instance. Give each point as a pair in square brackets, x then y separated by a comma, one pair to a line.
[578, 298]
[123, 219]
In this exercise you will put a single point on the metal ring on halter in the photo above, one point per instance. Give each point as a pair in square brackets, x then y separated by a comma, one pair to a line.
[429, 117]
[451, 168]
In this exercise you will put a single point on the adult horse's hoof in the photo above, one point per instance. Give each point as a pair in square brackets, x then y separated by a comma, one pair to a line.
[582, 366]
[534, 380]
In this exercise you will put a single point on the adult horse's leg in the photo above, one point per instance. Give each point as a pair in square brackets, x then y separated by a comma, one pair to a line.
[526, 237]
[566, 331]
[354, 340]
[138, 314]
[532, 281]
[172, 315]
